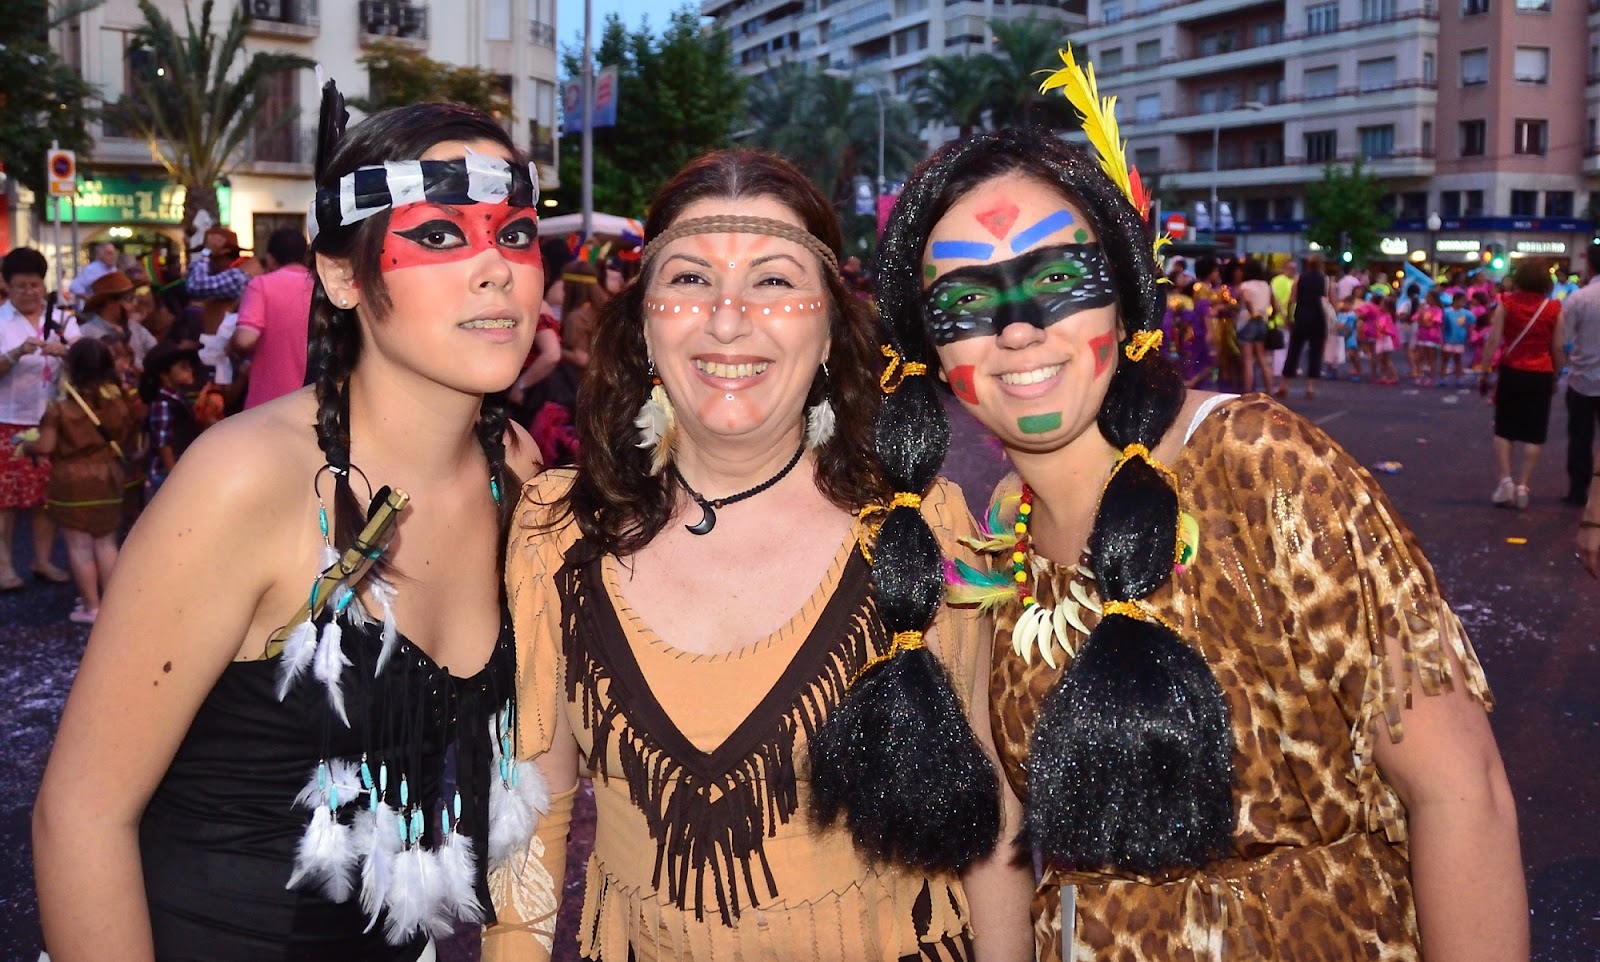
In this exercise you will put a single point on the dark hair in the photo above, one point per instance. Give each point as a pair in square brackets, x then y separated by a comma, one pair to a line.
[89, 365]
[1530, 277]
[287, 245]
[1254, 270]
[1130, 763]
[23, 260]
[334, 337]
[577, 294]
[1592, 255]
[618, 505]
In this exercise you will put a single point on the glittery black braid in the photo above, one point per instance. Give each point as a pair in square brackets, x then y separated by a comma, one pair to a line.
[491, 430]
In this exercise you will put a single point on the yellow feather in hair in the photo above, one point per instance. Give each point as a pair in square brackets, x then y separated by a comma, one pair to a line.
[1099, 118]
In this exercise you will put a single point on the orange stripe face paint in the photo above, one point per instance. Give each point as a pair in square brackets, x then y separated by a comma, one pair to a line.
[425, 234]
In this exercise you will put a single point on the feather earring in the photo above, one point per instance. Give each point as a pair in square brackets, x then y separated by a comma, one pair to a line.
[657, 424]
[820, 420]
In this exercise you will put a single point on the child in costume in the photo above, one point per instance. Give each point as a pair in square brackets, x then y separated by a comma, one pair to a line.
[252, 764]
[1458, 323]
[1211, 627]
[169, 373]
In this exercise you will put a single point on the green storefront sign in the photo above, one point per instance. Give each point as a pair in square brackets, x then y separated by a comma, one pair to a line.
[136, 200]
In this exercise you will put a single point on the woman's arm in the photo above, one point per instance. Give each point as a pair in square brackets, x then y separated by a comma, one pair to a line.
[46, 443]
[1466, 864]
[547, 354]
[183, 597]
[1558, 346]
[1491, 341]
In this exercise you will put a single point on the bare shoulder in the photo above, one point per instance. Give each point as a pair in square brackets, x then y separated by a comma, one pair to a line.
[522, 454]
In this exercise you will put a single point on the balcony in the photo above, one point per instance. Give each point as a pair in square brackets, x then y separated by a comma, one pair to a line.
[542, 34]
[1398, 96]
[285, 19]
[393, 20]
[289, 151]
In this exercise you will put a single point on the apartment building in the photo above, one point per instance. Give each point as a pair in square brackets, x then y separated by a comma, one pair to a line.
[883, 41]
[1477, 115]
[125, 196]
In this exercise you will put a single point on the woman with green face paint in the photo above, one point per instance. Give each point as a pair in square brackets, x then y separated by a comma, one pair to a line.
[1211, 626]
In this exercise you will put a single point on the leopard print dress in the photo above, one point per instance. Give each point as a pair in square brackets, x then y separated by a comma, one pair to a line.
[1317, 612]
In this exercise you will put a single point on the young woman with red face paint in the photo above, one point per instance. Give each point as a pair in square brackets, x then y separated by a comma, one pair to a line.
[252, 762]
[1201, 672]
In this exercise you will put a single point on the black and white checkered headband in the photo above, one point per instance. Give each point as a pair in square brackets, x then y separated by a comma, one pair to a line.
[474, 179]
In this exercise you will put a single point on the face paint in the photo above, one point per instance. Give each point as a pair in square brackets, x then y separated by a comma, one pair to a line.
[963, 383]
[425, 234]
[1041, 230]
[1039, 423]
[1103, 347]
[967, 250]
[998, 219]
[1039, 288]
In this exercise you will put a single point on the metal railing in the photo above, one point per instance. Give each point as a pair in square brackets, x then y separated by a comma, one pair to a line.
[303, 13]
[286, 145]
[393, 18]
[542, 34]
[1428, 9]
[1136, 120]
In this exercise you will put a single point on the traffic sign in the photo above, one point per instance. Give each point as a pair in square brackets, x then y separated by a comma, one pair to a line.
[1176, 226]
[62, 166]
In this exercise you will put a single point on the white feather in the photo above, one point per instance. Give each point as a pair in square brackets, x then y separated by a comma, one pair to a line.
[819, 424]
[514, 811]
[414, 901]
[325, 857]
[457, 863]
[341, 784]
[377, 837]
[658, 428]
[298, 650]
[329, 664]
[383, 594]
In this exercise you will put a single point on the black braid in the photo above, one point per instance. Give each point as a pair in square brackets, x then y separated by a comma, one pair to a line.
[897, 755]
[331, 351]
[491, 430]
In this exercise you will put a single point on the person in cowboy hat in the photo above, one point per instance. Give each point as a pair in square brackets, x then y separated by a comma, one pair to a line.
[110, 310]
[217, 277]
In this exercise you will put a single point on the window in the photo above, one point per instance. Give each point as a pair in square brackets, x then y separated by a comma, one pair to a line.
[1414, 205]
[1322, 82]
[1111, 11]
[1147, 159]
[1471, 8]
[1475, 67]
[1474, 204]
[1589, 144]
[1257, 209]
[1558, 203]
[1474, 137]
[1322, 18]
[1206, 101]
[1427, 138]
[1283, 208]
[1530, 136]
[1450, 204]
[1376, 74]
[1532, 65]
[1427, 68]
[1266, 33]
[1533, 6]
[1377, 10]
[1322, 146]
[1266, 153]
[1376, 142]
[1111, 60]
[497, 20]
[1147, 108]
[1148, 52]
[1524, 203]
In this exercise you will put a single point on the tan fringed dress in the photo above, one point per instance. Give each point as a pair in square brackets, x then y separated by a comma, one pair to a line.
[703, 845]
[1308, 596]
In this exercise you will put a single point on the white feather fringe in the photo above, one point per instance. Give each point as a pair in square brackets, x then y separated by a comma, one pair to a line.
[325, 857]
[658, 428]
[377, 838]
[457, 862]
[338, 788]
[383, 594]
[514, 811]
[820, 423]
[415, 900]
[329, 664]
[298, 650]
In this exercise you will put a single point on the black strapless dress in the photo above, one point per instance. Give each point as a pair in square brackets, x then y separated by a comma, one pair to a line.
[219, 836]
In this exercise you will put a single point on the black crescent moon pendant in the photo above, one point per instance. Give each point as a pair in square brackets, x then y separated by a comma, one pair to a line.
[708, 520]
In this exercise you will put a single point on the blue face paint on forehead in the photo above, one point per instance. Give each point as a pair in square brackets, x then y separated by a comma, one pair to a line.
[966, 250]
[1059, 220]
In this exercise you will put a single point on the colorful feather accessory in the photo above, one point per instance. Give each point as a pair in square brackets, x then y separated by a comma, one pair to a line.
[995, 533]
[966, 585]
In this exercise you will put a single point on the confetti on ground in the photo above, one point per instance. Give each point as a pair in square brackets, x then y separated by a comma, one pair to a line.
[1387, 467]
[1516, 541]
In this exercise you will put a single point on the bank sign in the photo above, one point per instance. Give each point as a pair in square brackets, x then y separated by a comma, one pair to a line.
[127, 200]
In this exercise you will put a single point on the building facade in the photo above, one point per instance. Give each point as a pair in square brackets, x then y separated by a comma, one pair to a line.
[1478, 116]
[126, 197]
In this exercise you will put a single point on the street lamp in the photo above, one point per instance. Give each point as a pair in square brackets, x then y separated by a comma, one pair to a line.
[1434, 223]
[1216, 154]
[878, 94]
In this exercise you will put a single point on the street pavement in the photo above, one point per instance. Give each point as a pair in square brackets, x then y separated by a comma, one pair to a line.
[1532, 613]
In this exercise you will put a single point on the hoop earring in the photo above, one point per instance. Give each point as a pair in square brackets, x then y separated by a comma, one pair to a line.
[820, 420]
[657, 424]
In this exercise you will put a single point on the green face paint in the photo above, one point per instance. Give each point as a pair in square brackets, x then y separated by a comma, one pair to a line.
[931, 271]
[1082, 236]
[1039, 423]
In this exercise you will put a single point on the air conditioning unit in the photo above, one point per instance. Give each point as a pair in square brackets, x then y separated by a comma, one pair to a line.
[265, 9]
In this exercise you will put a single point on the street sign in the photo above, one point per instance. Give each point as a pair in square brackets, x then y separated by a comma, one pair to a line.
[1176, 226]
[62, 166]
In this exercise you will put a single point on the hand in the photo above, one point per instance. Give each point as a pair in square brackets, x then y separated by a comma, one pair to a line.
[1589, 549]
[53, 349]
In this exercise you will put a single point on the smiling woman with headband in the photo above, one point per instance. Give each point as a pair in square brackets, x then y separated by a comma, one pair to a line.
[292, 735]
[1212, 628]
[732, 605]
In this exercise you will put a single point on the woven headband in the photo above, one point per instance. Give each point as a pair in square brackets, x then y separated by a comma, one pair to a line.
[741, 225]
[474, 179]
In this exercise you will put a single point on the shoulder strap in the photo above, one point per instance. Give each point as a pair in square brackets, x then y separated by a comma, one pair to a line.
[94, 419]
[1531, 321]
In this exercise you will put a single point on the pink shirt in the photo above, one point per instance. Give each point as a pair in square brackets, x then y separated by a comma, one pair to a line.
[277, 305]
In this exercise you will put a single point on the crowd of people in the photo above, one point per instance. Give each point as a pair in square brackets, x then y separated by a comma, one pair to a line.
[670, 518]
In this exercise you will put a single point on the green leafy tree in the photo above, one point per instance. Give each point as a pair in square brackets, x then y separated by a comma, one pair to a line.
[955, 90]
[1026, 50]
[41, 98]
[202, 100]
[1343, 206]
[678, 96]
[400, 75]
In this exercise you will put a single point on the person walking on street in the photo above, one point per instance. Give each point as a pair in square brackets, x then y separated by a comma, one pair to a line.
[1310, 327]
[1528, 321]
[1582, 313]
[272, 320]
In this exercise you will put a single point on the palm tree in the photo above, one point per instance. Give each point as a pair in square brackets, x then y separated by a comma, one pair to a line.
[1026, 50]
[197, 109]
[954, 90]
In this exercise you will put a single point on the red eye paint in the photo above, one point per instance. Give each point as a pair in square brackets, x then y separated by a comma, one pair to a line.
[424, 234]
[998, 219]
[1102, 347]
[963, 383]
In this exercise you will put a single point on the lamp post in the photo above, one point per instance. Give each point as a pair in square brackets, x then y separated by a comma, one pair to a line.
[1216, 153]
[1434, 223]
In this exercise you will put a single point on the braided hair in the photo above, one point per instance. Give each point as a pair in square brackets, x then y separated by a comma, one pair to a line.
[1130, 764]
[333, 341]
